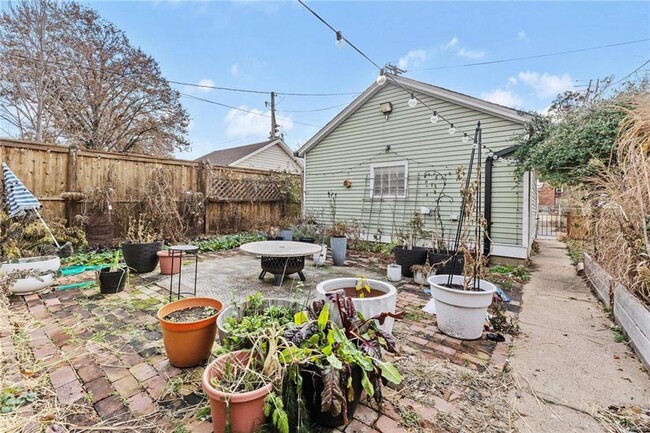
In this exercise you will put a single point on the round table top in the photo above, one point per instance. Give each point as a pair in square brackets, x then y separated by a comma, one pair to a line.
[280, 248]
[185, 248]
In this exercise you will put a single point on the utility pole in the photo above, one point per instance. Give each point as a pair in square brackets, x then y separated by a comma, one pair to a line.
[274, 125]
[392, 69]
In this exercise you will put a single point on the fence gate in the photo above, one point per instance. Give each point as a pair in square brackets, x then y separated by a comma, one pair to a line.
[550, 224]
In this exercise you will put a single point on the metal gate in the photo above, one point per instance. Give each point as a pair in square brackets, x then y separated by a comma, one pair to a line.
[550, 224]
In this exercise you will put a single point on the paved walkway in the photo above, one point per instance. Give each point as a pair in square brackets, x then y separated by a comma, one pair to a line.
[567, 360]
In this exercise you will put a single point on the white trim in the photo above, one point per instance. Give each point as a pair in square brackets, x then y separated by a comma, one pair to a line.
[304, 187]
[277, 141]
[390, 164]
[525, 232]
[512, 251]
[434, 91]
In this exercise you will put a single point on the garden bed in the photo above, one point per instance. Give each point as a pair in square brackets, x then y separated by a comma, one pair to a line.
[629, 312]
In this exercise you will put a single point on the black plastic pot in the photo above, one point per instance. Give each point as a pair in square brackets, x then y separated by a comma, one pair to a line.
[407, 258]
[141, 258]
[312, 387]
[274, 238]
[112, 281]
[443, 263]
[306, 239]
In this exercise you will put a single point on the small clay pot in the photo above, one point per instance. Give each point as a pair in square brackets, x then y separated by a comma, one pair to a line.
[189, 343]
[166, 265]
[245, 413]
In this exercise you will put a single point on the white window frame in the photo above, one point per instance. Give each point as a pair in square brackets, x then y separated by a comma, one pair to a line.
[389, 164]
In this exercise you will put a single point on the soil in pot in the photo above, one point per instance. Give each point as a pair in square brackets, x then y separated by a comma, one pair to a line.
[312, 388]
[351, 292]
[191, 314]
[112, 281]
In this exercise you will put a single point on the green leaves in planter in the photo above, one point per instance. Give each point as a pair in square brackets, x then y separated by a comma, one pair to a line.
[390, 373]
[274, 408]
[323, 317]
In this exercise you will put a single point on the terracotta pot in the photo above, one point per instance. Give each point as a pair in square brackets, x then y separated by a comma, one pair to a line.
[189, 343]
[246, 410]
[166, 266]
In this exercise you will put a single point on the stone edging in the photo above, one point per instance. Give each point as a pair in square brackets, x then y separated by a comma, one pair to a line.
[629, 312]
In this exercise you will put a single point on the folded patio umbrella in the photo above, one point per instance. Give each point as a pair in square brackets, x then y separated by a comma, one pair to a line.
[20, 200]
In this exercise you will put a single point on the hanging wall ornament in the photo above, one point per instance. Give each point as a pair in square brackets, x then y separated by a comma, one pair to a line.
[347, 183]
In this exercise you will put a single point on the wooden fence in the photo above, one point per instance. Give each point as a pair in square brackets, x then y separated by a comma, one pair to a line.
[234, 199]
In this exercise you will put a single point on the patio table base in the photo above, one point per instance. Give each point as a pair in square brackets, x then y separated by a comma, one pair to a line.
[281, 266]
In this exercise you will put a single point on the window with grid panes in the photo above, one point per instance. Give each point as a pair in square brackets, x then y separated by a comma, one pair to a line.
[389, 180]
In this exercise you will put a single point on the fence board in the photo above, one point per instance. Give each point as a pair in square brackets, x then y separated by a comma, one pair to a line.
[236, 199]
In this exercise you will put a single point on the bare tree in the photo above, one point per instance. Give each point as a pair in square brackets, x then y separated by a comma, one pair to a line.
[105, 93]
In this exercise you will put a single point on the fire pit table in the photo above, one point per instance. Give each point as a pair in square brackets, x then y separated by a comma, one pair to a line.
[281, 258]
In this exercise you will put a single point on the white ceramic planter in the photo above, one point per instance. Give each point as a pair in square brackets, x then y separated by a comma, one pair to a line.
[460, 314]
[367, 306]
[394, 272]
[420, 278]
[24, 286]
[37, 264]
[319, 258]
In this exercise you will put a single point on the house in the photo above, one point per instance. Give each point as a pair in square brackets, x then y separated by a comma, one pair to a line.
[272, 154]
[386, 161]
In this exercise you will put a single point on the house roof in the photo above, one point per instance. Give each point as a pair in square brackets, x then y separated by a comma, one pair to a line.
[226, 157]
[419, 87]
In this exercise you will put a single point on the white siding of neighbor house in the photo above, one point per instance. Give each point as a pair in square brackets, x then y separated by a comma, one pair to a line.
[272, 158]
[361, 140]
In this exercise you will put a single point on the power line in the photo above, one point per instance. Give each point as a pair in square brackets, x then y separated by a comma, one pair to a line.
[180, 83]
[315, 109]
[632, 73]
[209, 101]
[537, 56]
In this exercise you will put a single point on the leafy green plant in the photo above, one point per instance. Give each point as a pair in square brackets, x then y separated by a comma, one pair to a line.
[619, 334]
[226, 242]
[92, 258]
[333, 351]
[11, 399]
[362, 286]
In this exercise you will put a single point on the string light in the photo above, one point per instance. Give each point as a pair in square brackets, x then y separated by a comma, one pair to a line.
[490, 154]
[452, 129]
[434, 117]
[475, 146]
[381, 79]
[412, 101]
[495, 157]
[465, 138]
[340, 40]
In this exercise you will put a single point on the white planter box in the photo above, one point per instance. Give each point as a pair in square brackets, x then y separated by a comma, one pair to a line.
[24, 286]
[460, 313]
[367, 306]
[629, 312]
[37, 264]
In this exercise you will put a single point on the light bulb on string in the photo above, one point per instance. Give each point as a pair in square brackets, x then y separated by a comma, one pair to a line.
[490, 154]
[434, 117]
[412, 101]
[340, 40]
[465, 138]
[452, 129]
[381, 79]
[475, 146]
[495, 157]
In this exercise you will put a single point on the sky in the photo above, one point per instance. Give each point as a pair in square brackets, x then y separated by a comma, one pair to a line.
[281, 47]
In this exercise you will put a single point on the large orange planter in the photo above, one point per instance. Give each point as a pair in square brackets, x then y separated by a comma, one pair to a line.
[166, 265]
[189, 343]
[246, 410]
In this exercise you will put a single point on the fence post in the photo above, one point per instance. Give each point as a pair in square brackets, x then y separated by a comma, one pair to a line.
[72, 183]
[204, 188]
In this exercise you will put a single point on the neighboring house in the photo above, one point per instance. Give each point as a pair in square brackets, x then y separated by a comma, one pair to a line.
[549, 197]
[272, 154]
[385, 161]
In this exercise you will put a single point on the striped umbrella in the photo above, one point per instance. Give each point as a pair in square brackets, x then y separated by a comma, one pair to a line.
[19, 199]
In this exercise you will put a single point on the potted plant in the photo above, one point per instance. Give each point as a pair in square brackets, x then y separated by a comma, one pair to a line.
[408, 253]
[461, 301]
[286, 230]
[37, 264]
[338, 362]
[239, 324]
[189, 327]
[370, 297]
[25, 281]
[338, 233]
[169, 265]
[112, 278]
[440, 258]
[273, 234]
[421, 273]
[141, 247]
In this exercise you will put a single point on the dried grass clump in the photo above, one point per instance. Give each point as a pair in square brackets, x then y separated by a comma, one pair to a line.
[621, 213]
[159, 204]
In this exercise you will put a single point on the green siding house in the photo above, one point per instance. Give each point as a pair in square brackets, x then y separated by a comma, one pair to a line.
[387, 161]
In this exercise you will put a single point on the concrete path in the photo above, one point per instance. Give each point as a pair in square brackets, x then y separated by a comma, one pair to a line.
[566, 359]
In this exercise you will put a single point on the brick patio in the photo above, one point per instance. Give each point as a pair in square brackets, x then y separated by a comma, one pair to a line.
[104, 354]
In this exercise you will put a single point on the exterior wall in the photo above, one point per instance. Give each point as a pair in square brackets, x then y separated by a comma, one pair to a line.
[548, 197]
[532, 213]
[433, 157]
[272, 158]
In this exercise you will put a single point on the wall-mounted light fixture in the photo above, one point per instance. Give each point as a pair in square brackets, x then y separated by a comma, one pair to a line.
[386, 108]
